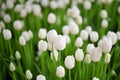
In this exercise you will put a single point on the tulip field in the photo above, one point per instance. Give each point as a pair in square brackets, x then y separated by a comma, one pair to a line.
[59, 39]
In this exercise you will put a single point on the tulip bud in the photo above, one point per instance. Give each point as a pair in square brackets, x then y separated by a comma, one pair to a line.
[2, 25]
[40, 77]
[78, 20]
[54, 54]
[87, 5]
[18, 25]
[96, 54]
[104, 23]
[26, 35]
[69, 62]
[7, 34]
[87, 59]
[105, 45]
[79, 55]
[42, 45]
[28, 75]
[95, 78]
[42, 33]
[112, 36]
[22, 41]
[17, 55]
[51, 35]
[7, 18]
[89, 48]
[67, 39]
[73, 28]
[23, 13]
[60, 71]
[78, 42]
[30, 34]
[103, 14]
[60, 43]
[65, 30]
[107, 58]
[93, 36]
[84, 35]
[12, 67]
[88, 29]
[119, 9]
[51, 18]
[118, 35]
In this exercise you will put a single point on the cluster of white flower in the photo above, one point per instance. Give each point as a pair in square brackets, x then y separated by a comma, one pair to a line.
[77, 32]
[26, 36]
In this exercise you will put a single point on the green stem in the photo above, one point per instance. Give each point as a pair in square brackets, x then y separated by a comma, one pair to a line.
[79, 70]
[60, 78]
[69, 74]
[14, 76]
[93, 69]
[10, 47]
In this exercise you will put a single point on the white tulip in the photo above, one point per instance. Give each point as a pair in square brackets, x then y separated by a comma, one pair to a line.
[79, 20]
[7, 34]
[49, 45]
[42, 33]
[67, 39]
[28, 8]
[42, 45]
[87, 5]
[84, 35]
[69, 62]
[119, 9]
[96, 54]
[65, 30]
[112, 36]
[9, 4]
[104, 23]
[89, 48]
[95, 78]
[18, 7]
[30, 34]
[107, 58]
[36, 9]
[60, 4]
[17, 55]
[28, 75]
[23, 13]
[40, 77]
[7, 18]
[118, 35]
[87, 59]
[73, 28]
[94, 36]
[2, 25]
[22, 41]
[54, 54]
[76, 14]
[18, 25]
[53, 5]
[60, 71]
[26, 35]
[51, 35]
[60, 42]
[12, 67]
[78, 42]
[103, 14]
[51, 18]
[105, 45]
[79, 55]
[45, 3]
[88, 29]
